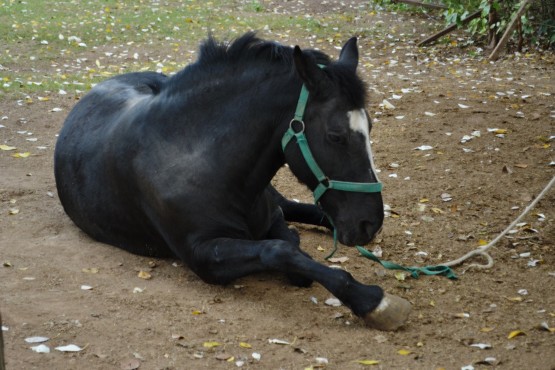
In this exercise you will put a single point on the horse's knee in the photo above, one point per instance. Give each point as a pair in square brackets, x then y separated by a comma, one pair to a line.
[277, 255]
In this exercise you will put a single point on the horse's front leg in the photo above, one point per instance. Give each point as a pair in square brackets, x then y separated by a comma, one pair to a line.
[222, 260]
[300, 212]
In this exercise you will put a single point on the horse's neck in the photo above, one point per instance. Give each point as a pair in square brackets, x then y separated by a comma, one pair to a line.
[268, 116]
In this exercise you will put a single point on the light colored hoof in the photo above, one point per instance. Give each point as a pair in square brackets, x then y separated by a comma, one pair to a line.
[391, 313]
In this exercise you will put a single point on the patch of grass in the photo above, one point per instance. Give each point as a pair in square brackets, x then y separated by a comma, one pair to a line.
[51, 45]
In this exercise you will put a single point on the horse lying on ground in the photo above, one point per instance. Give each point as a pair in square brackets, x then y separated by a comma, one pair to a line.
[181, 166]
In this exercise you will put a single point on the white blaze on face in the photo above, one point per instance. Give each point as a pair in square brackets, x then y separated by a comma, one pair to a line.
[358, 122]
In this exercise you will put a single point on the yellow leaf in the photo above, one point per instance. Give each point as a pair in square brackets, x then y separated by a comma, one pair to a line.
[197, 312]
[432, 303]
[7, 147]
[211, 344]
[92, 270]
[486, 330]
[144, 275]
[404, 352]
[43, 98]
[424, 200]
[21, 155]
[482, 242]
[231, 359]
[500, 131]
[437, 210]
[367, 362]
[515, 299]
[515, 333]
[244, 345]
[400, 276]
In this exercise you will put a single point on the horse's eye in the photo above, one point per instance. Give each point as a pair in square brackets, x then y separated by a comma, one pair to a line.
[337, 138]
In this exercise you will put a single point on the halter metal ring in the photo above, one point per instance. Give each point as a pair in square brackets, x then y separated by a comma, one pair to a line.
[296, 120]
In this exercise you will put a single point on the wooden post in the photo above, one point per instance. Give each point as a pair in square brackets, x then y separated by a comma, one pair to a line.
[492, 28]
[419, 3]
[2, 364]
[510, 28]
[445, 31]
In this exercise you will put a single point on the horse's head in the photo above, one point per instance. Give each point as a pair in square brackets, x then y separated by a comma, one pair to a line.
[336, 127]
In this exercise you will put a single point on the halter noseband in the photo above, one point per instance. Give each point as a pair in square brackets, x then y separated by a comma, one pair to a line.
[324, 183]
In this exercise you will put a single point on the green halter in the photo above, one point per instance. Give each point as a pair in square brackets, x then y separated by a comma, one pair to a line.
[324, 183]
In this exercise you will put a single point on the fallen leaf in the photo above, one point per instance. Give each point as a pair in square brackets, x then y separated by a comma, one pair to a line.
[400, 276]
[462, 315]
[514, 299]
[278, 341]
[404, 352]
[223, 357]
[244, 345]
[69, 348]
[144, 275]
[338, 259]
[41, 348]
[387, 105]
[211, 344]
[481, 345]
[486, 330]
[7, 147]
[545, 326]
[36, 339]
[367, 362]
[515, 333]
[91, 270]
[424, 147]
[334, 302]
[21, 155]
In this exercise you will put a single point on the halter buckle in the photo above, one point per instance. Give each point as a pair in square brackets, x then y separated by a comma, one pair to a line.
[291, 124]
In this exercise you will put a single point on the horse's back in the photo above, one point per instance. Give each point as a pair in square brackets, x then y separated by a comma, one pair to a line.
[93, 152]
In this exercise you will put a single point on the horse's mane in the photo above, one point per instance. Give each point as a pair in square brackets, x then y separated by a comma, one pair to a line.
[220, 60]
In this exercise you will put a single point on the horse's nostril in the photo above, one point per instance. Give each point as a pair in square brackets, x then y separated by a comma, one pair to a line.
[369, 228]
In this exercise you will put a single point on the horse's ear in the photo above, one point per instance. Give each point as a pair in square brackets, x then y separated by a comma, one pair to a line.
[349, 54]
[308, 70]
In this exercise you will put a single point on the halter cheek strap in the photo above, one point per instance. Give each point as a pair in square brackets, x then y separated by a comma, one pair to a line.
[296, 130]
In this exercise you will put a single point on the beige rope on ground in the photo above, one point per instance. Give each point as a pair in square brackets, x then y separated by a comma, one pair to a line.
[483, 250]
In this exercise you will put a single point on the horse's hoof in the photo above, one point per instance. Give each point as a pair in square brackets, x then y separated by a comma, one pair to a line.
[391, 313]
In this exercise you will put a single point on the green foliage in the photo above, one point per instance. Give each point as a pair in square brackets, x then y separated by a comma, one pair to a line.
[537, 25]
[538, 29]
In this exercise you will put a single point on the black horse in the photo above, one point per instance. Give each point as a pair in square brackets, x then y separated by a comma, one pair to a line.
[181, 166]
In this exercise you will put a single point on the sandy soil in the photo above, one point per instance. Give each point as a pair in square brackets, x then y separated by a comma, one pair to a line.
[440, 95]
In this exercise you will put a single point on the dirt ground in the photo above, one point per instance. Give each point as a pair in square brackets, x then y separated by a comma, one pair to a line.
[175, 321]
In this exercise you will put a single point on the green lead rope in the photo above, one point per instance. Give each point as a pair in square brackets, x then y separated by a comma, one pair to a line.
[414, 271]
